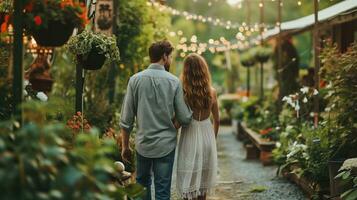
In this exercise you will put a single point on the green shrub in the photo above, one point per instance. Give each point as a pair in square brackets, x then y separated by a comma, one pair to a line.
[43, 161]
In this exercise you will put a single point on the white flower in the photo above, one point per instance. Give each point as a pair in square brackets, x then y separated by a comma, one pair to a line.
[244, 99]
[312, 114]
[304, 90]
[289, 127]
[305, 100]
[315, 92]
[327, 109]
[329, 85]
[349, 164]
[278, 144]
[26, 82]
[42, 96]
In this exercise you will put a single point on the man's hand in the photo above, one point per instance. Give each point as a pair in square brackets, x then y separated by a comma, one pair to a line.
[176, 123]
[126, 154]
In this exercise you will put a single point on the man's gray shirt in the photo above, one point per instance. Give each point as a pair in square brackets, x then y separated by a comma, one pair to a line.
[154, 96]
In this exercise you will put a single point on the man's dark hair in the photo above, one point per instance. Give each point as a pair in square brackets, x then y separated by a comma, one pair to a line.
[158, 49]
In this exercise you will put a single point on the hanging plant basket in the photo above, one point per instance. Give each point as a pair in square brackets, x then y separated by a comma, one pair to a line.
[92, 50]
[247, 59]
[56, 34]
[93, 60]
[262, 54]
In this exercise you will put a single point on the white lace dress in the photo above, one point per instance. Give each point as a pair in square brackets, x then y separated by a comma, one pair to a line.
[196, 160]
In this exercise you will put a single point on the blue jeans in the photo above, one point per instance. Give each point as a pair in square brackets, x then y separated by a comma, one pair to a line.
[161, 168]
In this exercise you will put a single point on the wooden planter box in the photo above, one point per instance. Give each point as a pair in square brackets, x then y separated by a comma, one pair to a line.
[260, 145]
[302, 182]
[306, 185]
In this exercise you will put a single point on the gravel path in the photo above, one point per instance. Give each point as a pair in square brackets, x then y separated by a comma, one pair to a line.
[241, 179]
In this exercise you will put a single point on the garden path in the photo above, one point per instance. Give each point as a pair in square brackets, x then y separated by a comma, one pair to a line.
[241, 179]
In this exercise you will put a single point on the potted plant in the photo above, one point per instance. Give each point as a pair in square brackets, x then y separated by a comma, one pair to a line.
[262, 54]
[247, 59]
[92, 49]
[51, 22]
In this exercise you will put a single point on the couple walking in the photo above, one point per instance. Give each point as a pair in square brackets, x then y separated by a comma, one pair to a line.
[161, 105]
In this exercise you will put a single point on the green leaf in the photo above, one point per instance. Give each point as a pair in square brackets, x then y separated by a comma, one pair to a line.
[346, 175]
[352, 195]
[258, 189]
[340, 174]
[135, 190]
[71, 175]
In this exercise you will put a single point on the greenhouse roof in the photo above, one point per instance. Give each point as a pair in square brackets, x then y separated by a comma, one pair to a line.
[343, 8]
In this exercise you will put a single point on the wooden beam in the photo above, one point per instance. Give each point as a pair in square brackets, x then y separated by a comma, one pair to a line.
[316, 43]
[18, 61]
[262, 44]
[279, 43]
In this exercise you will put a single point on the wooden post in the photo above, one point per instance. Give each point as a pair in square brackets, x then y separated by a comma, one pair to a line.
[248, 81]
[113, 68]
[17, 61]
[248, 67]
[79, 88]
[317, 61]
[262, 45]
[279, 44]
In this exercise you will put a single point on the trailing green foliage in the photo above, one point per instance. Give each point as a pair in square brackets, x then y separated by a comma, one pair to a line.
[84, 42]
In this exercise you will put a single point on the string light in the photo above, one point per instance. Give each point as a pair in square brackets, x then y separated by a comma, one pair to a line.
[195, 17]
[192, 44]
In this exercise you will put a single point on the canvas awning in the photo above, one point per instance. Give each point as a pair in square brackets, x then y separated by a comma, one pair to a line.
[343, 8]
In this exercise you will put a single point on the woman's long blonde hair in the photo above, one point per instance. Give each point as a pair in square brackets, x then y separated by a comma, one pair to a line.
[196, 82]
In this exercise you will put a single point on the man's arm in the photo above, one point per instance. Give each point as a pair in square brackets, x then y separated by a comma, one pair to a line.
[127, 118]
[183, 113]
[125, 152]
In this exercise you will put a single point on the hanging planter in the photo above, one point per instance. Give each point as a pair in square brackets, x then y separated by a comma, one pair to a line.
[247, 59]
[56, 34]
[93, 60]
[51, 22]
[262, 54]
[93, 49]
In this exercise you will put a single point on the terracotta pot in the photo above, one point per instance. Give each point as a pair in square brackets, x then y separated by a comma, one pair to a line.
[56, 34]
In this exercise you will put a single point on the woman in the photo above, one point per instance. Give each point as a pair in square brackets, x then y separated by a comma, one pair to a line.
[197, 153]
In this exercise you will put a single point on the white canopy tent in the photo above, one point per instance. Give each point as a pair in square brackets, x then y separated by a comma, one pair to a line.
[339, 9]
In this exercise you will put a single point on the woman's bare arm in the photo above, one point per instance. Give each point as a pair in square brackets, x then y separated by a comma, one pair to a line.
[215, 112]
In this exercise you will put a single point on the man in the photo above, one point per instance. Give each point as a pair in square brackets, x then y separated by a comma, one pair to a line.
[155, 98]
